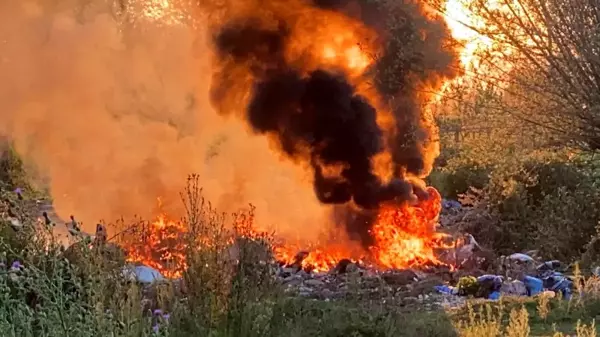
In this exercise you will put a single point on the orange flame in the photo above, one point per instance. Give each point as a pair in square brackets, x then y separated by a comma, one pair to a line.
[162, 247]
[318, 259]
[406, 236]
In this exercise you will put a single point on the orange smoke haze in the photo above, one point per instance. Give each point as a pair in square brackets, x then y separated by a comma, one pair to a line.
[113, 109]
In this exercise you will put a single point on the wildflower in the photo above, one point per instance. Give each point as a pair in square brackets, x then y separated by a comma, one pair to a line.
[160, 318]
[14, 268]
[16, 265]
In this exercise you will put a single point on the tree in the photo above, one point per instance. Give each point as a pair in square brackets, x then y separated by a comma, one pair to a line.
[545, 55]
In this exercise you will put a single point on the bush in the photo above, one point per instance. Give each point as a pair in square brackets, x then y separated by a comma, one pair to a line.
[553, 207]
[15, 174]
[452, 182]
[228, 292]
[12, 171]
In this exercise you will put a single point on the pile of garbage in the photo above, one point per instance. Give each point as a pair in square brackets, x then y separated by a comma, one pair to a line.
[406, 287]
[520, 275]
[515, 275]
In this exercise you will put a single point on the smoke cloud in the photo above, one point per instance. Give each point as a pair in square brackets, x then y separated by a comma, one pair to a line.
[110, 103]
[317, 113]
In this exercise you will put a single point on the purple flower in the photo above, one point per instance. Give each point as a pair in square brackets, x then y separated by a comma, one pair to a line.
[18, 190]
[160, 318]
[16, 265]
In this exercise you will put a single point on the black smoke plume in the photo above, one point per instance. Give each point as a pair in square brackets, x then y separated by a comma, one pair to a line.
[319, 117]
[319, 111]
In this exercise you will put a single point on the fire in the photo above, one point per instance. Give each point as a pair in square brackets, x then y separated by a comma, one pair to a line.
[162, 247]
[316, 258]
[333, 41]
[406, 236]
[351, 55]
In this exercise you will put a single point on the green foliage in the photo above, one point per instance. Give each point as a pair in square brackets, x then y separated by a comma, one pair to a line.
[468, 286]
[521, 316]
[15, 174]
[452, 182]
[551, 206]
[12, 171]
[230, 291]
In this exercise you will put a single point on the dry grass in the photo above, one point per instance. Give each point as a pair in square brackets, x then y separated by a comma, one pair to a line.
[486, 322]
[543, 306]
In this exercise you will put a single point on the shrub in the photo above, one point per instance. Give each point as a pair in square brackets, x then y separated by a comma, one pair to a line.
[452, 182]
[12, 170]
[552, 206]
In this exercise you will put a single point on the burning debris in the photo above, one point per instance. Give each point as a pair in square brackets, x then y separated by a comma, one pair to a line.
[404, 237]
[160, 244]
[307, 75]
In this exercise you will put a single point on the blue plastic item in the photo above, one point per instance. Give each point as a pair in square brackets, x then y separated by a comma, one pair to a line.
[495, 280]
[559, 283]
[494, 295]
[534, 285]
[444, 289]
[146, 274]
[490, 285]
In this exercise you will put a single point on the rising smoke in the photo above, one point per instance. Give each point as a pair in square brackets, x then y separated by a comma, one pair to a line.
[319, 112]
[314, 110]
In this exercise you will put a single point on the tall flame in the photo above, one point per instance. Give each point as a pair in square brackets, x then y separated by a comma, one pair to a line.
[407, 236]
